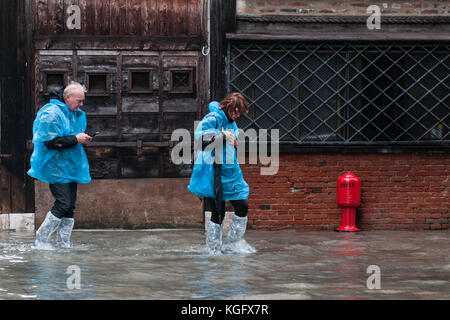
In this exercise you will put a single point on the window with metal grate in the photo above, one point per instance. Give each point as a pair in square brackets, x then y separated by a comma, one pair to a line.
[344, 94]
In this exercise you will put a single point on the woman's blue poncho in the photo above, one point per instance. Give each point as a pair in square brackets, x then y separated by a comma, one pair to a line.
[202, 178]
[55, 119]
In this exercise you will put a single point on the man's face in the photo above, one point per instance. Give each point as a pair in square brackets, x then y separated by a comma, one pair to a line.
[75, 100]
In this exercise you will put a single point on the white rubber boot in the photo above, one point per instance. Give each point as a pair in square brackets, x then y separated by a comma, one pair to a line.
[214, 238]
[45, 231]
[236, 242]
[64, 232]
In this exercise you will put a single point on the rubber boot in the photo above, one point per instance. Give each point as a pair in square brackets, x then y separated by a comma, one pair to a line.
[214, 238]
[46, 229]
[236, 242]
[64, 232]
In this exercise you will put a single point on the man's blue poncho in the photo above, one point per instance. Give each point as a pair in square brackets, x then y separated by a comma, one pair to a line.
[55, 119]
[202, 178]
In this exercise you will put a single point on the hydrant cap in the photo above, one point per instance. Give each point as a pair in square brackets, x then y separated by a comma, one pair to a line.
[348, 175]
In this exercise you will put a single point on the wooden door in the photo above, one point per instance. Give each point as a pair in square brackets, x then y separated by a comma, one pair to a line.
[14, 99]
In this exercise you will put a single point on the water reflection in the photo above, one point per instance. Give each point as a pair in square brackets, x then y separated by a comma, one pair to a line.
[48, 276]
[175, 265]
[349, 265]
[219, 277]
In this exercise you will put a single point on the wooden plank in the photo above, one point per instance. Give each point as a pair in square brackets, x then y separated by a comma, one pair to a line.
[105, 10]
[66, 5]
[124, 43]
[1, 98]
[41, 16]
[176, 120]
[151, 18]
[165, 18]
[83, 4]
[291, 30]
[339, 36]
[60, 23]
[5, 190]
[98, 17]
[194, 17]
[119, 98]
[181, 16]
[114, 18]
[230, 16]
[161, 95]
[134, 17]
[144, 17]
[13, 117]
[51, 17]
[88, 18]
[221, 20]
[74, 64]
[122, 18]
[140, 103]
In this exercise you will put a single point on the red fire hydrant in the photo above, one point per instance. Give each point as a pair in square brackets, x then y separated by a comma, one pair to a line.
[348, 198]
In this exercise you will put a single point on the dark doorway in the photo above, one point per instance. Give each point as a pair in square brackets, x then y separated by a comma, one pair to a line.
[15, 95]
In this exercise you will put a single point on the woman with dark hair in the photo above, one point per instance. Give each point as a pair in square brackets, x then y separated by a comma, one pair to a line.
[217, 175]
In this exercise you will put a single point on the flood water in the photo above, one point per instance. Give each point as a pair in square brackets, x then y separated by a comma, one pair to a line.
[175, 264]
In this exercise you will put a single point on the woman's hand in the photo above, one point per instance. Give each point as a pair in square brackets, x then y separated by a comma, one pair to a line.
[230, 137]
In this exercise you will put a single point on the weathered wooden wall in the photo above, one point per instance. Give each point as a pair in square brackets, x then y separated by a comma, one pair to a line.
[146, 76]
[158, 44]
[135, 123]
[121, 17]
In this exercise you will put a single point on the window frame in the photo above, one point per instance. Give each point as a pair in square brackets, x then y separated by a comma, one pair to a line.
[45, 72]
[383, 146]
[190, 88]
[107, 93]
[151, 72]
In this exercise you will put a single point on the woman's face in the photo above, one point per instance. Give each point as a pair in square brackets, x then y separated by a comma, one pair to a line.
[234, 114]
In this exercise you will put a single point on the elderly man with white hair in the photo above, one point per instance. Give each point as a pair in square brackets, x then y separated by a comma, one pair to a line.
[59, 159]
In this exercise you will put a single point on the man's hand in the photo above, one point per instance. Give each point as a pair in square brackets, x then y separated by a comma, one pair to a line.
[83, 138]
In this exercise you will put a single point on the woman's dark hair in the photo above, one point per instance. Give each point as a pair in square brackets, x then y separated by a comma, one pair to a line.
[57, 94]
[234, 102]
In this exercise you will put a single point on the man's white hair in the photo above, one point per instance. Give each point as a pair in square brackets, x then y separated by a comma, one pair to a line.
[74, 87]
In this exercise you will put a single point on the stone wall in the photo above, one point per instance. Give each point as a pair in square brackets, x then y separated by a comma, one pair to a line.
[129, 204]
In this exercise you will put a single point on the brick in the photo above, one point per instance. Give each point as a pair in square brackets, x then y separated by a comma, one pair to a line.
[319, 4]
[276, 3]
[268, 10]
[411, 5]
[339, 4]
[388, 11]
[247, 10]
[297, 4]
[359, 5]
[288, 10]
[430, 11]
[327, 11]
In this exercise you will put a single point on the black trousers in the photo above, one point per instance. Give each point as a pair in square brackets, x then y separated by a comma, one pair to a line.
[65, 195]
[240, 209]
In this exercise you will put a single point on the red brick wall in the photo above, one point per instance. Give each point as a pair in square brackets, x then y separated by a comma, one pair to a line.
[398, 191]
[356, 7]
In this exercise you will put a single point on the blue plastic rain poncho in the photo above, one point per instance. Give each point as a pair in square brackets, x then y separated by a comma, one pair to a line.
[202, 179]
[55, 119]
